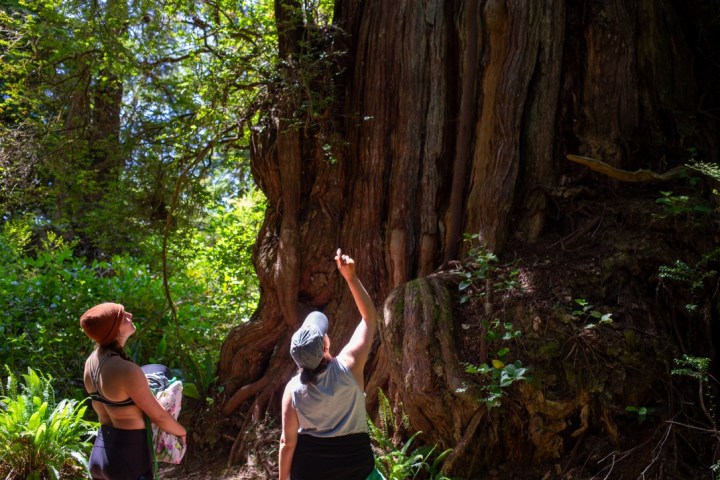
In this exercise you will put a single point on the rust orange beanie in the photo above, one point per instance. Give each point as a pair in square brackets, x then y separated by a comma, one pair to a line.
[102, 322]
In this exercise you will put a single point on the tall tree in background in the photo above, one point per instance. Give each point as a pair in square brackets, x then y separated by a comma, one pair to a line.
[405, 124]
[63, 85]
[118, 112]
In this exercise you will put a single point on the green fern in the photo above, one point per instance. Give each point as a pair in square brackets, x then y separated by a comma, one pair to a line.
[399, 462]
[39, 438]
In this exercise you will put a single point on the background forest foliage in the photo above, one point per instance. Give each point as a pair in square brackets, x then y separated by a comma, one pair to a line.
[124, 177]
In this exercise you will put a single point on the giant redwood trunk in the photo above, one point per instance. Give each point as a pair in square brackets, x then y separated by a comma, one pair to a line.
[447, 117]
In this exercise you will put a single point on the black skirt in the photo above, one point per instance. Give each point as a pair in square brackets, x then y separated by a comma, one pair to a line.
[348, 457]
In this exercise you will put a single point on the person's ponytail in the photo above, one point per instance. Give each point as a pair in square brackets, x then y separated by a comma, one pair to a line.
[308, 375]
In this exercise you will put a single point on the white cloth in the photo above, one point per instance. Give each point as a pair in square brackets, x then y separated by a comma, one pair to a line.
[169, 448]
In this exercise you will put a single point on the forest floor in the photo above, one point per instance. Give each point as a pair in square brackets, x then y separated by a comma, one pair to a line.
[213, 465]
[209, 467]
[584, 247]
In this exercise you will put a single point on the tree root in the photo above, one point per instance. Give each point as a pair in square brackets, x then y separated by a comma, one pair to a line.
[263, 391]
[467, 438]
[243, 394]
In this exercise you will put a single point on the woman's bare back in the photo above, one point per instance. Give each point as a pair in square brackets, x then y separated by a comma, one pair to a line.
[112, 384]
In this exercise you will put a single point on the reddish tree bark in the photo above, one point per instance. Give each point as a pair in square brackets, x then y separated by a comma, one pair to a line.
[455, 116]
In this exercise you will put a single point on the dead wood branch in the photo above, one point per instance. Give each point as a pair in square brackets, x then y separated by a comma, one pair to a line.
[637, 176]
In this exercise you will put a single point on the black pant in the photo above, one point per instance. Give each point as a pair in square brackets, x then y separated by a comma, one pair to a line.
[348, 457]
[121, 455]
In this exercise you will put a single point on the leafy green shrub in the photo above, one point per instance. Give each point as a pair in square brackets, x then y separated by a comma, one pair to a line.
[675, 205]
[693, 367]
[39, 437]
[216, 289]
[588, 313]
[481, 275]
[397, 461]
[43, 296]
[498, 372]
[218, 258]
[694, 278]
[44, 290]
[690, 207]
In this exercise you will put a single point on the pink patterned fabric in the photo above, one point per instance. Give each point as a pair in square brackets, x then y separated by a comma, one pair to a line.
[168, 447]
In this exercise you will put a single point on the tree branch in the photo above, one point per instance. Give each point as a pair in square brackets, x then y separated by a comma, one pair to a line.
[637, 176]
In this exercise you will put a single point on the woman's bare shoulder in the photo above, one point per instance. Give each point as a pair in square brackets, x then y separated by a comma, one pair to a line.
[117, 373]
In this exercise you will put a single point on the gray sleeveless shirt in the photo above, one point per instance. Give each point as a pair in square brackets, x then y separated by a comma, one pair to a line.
[332, 406]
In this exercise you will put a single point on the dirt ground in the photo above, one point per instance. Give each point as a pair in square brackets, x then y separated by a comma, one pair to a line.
[211, 439]
[206, 468]
[213, 466]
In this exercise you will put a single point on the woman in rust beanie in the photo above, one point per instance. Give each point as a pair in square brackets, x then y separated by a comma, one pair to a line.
[121, 397]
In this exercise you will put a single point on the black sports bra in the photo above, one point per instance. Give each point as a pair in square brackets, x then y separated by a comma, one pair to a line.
[98, 397]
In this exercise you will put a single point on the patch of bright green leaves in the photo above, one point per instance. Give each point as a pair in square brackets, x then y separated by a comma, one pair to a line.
[693, 367]
[641, 412]
[482, 272]
[46, 287]
[481, 276]
[587, 313]
[693, 277]
[39, 437]
[499, 372]
[681, 204]
[675, 204]
[402, 461]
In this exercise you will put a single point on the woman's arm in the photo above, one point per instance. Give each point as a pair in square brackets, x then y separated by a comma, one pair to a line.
[356, 352]
[138, 389]
[288, 438]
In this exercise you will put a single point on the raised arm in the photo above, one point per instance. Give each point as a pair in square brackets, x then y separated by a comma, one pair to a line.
[355, 353]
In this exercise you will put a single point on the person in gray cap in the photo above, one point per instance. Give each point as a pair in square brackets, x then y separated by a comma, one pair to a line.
[324, 423]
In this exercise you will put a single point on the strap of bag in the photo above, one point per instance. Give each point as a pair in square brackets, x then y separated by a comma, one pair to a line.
[148, 429]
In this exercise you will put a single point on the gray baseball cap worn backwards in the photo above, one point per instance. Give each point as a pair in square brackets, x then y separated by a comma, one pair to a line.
[307, 346]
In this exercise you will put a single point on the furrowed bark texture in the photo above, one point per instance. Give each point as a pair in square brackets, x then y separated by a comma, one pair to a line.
[455, 116]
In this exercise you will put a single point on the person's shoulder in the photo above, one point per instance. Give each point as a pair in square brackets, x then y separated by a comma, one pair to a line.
[340, 363]
[293, 382]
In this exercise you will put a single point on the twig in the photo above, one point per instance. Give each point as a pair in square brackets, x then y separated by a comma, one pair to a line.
[612, 465]
[657, 450]
[705, 430]
[602, 215]
[623, 455]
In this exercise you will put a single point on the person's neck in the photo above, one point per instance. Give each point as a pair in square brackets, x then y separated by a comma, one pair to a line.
[105, 349]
